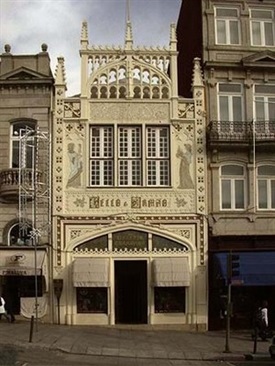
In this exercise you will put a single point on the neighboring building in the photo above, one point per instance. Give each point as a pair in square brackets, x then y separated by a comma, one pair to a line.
[236, 41]
[129, 199]
[26, 97]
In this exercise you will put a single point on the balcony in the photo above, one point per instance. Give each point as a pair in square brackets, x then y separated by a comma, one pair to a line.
[9, 183]
[241, 135]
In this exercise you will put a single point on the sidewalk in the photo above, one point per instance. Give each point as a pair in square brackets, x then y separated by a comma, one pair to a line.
[165, 342]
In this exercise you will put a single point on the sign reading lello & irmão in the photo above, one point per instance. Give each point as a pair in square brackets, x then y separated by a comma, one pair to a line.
[135, 202]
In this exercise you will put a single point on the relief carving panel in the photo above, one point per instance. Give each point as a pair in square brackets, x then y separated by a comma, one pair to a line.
[129, 112]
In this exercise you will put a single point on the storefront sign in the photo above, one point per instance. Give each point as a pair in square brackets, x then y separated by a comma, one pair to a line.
[17, 271]
[135, 202]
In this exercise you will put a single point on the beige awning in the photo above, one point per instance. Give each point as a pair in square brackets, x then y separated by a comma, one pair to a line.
[91, 272]
[18, 262]
[171, 272]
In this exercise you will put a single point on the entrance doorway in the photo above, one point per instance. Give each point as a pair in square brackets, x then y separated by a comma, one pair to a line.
[11, 293]
[131, 292]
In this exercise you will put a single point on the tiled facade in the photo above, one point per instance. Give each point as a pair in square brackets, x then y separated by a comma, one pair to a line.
[129, 197]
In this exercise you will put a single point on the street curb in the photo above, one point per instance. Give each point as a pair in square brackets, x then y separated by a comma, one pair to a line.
[258, 357]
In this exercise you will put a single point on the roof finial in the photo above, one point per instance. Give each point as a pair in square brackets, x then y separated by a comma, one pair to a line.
[128, 35]
[127, 11]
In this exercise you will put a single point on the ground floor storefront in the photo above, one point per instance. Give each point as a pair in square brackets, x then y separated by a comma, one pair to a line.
[24, 281]
[133, 276]
[254, 284]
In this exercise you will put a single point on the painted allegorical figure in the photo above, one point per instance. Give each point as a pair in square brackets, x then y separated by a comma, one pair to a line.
[76, 167]
[185, 156]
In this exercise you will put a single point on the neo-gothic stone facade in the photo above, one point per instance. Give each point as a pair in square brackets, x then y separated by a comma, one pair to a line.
[129, 199]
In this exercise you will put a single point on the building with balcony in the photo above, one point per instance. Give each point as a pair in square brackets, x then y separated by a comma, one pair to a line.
[26, 97]
[236, 42]
[129, 200]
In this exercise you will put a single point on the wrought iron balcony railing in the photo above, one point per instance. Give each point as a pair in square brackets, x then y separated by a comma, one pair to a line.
[240, 131]
[10, 182]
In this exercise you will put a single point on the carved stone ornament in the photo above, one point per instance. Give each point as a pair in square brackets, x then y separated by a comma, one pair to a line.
[129, 112]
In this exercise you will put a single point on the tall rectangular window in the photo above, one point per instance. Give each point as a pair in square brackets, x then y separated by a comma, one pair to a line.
[157, 155]
[230, 107]
[129, 155]
[22, 145]
[227, 24]
[117, 157]
[101, 156]
[264, 107]
[262, 25]
[232, 187]
[266, 187]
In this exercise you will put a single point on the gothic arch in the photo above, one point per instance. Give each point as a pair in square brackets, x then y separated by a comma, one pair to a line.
[143, 228]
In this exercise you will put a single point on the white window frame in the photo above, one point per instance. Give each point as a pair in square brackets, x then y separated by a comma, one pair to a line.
[264, 99]
[101, 157]
[18, 129]
[262, 23]
[129, 156]
[157, 156]
[227, 124]
[140, 156]
[269, 180]
[228, 21]
[232, 179]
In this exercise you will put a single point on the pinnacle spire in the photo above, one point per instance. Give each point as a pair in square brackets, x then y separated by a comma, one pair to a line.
[128, 33]
[60, 74]
[197, 73]
[84, 35]
[173, 37]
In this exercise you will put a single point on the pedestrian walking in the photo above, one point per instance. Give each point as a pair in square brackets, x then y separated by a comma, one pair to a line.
[3, 310]
[9, 306]
[261, 321]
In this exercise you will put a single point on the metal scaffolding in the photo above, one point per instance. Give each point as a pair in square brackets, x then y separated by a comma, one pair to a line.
[34, 191]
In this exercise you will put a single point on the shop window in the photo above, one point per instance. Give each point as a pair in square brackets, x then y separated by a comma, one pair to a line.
[91, 300]
[169, 299]
[28, 288]
[130, 239]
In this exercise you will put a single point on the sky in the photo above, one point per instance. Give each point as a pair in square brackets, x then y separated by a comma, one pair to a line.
[26, 24]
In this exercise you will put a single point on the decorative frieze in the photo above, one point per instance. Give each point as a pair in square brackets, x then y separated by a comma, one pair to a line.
[130, 112]
[136, 201]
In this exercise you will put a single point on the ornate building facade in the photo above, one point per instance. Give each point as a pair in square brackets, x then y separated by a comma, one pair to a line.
[129, 198]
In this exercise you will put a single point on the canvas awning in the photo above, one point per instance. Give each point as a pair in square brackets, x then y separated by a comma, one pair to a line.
[91, 272]
[171, 272]
[18, 262]
[256, 268]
